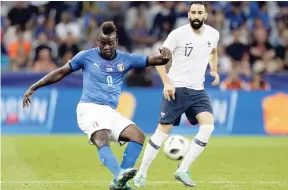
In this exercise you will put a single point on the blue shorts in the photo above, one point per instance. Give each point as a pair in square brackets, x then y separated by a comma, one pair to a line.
[188, 101]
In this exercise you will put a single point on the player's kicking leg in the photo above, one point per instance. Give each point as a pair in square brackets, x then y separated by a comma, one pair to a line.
[101, 140]
[125, 130]
[205, 120]
[136, 138]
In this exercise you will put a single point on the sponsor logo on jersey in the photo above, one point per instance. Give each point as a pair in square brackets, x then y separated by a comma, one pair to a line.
[209, 43]
[96, 65]
[109, 69]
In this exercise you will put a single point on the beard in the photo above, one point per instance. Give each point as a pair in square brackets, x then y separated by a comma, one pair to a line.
[196, 24]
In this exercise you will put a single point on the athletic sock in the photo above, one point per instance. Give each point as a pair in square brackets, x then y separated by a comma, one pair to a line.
[151, 151]
[131, 154]
[196, 147]
[108, 159]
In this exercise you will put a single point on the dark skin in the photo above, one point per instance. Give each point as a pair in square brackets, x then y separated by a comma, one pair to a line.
[107, 45]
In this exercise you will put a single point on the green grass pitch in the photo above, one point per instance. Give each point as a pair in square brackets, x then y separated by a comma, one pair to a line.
[70, 163]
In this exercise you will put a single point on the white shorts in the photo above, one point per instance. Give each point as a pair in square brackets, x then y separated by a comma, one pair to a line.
[94, 117]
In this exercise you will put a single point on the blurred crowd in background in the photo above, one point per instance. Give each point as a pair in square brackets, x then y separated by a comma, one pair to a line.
[41, 36]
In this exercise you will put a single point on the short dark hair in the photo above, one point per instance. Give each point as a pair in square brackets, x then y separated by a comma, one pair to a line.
[108, 28]
[198, 3]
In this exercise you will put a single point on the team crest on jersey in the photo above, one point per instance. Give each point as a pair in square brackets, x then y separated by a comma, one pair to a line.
[120, 67]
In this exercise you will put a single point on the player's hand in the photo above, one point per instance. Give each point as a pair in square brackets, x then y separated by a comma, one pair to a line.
[26, 98]
[166, 53]
[169, 91]
[216, 78]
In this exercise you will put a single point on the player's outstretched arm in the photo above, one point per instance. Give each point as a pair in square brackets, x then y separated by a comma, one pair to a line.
[162, 59]
[50, 78]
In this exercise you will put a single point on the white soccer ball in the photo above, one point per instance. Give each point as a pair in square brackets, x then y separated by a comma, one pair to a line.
[176, 147]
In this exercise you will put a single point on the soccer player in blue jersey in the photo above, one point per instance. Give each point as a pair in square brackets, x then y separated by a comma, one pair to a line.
[103, 71]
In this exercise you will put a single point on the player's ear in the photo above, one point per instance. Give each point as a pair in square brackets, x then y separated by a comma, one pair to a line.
[206, 15]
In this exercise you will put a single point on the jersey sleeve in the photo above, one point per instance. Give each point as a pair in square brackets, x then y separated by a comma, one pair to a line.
[137, 60]
[77, 61]
[171, 41]
[217, 37]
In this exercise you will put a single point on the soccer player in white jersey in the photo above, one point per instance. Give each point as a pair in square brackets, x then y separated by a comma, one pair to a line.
[193, 46]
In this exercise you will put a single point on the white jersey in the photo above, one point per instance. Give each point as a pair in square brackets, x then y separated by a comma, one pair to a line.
[190, 54]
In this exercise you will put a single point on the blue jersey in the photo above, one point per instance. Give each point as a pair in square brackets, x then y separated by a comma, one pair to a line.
[102, 79]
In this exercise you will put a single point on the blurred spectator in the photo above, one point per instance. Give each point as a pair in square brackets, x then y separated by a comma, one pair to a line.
[21, 46]
[19, 53]
[282, 50]
[67, 57]
[245, 67]
[43, 43]
[224, 61]
[262, 53]
[263, 14]
[167, 14]
[68, 45]
[234, 14]
[233, 82]
[68, 27]
[221, 25]
[20, 14]
[44, 62]
[236, 50]
[258, 83]
[12, 31]
[90, 42]
[111, 9]
[138, 9]
[50, 29]
[89, 10]
[92, 27]
[258, 23]
[122, 34]
[39, 8]
[139, 77]
[3, 48]
[140, 34]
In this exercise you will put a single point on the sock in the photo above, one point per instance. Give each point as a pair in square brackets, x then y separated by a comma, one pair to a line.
[151, 151]
[197, 146]
[131, 154]
[108, 159]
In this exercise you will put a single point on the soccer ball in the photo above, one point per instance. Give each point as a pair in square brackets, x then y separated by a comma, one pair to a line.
[176, 147]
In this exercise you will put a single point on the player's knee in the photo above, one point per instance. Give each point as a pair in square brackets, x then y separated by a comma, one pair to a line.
[165, 128]
[204, 133]
[205, 118]
[100, 138]
[135, 134]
